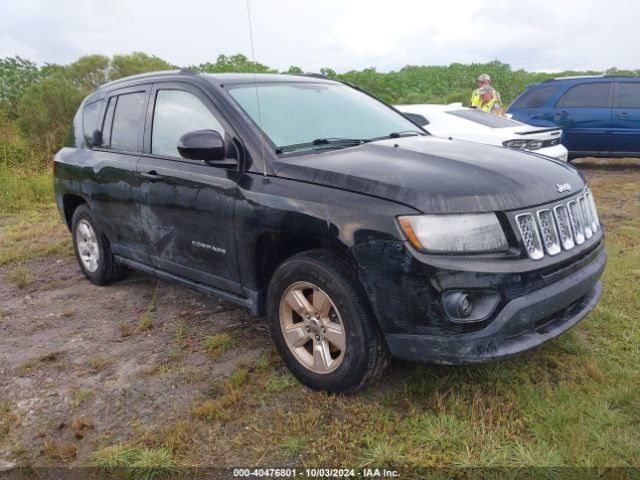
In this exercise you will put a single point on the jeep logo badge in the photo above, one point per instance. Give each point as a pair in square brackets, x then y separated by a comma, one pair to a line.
[564, 187]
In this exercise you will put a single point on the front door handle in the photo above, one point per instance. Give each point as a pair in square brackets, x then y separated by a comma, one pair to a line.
[152, 176]
[561, 114]
[622, 115]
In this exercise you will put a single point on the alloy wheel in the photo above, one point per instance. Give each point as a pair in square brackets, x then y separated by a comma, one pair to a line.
[312, 327]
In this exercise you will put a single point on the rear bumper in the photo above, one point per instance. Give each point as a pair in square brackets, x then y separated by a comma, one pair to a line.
[524, 323]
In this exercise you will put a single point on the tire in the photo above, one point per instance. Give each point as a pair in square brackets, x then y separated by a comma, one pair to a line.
[344, 348]
[92, 249]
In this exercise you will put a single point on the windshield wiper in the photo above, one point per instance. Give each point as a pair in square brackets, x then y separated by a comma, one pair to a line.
[404, 133]
[322, 143]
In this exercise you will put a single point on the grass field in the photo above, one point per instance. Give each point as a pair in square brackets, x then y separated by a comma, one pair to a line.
[573, 402]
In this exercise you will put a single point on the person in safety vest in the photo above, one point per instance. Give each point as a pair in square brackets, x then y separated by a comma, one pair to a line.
[483, 79]
[489, 103]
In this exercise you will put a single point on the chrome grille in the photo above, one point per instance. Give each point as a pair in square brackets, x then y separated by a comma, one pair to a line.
[554, 228]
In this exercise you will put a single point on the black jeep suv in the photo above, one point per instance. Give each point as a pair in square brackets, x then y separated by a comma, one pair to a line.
[356, 232]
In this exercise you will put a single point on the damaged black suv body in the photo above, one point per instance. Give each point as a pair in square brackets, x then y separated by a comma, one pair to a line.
[356, 233]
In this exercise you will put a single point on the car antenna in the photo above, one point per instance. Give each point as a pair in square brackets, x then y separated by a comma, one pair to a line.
[255, 80]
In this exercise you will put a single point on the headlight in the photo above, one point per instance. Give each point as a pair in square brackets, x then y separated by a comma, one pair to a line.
[474, 233]
[534, 144]
[515, 144]
[523, 144]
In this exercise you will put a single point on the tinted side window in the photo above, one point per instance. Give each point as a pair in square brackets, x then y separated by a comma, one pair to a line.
[535, 98]
[108, 121]
[90, 121]
[589, 95]
[75, 137]
[176, 113]
[629, 95]
[126, 122]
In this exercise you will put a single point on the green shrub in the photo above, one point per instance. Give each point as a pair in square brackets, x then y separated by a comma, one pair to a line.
[24, 189]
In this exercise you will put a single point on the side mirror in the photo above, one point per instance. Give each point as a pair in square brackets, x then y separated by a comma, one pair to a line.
[416, 118]
[206, 145]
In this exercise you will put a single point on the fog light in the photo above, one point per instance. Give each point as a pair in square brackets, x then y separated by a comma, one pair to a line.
[458, 304]
[470, 305]
[466, 305]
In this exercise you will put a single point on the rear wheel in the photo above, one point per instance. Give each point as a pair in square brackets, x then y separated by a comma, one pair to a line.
[92, 249]
[322, 324]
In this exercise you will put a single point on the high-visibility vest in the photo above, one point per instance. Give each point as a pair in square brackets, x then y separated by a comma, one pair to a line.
[487, 107]
[475, 97]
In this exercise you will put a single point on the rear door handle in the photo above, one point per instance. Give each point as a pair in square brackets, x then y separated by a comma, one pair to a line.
[622, 115]
[152, 176]
[561, 114]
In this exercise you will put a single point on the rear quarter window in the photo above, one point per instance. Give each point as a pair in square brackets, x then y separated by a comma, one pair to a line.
[74, 135]
[535, 98]
[90, 121]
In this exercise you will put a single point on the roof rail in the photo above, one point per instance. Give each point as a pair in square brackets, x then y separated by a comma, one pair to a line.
[575, 77]
[140, 76]
[312, 75]
[324, 77]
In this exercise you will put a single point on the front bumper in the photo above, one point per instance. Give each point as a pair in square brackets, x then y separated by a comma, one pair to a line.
[523, 323]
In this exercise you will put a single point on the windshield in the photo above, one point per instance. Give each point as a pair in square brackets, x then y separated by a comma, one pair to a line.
[484, 118]
[297, 113]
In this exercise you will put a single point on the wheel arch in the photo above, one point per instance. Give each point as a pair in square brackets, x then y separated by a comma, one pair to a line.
[273, 248]
[70, 202]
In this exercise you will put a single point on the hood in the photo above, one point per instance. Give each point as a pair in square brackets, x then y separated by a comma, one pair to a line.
[435, 175]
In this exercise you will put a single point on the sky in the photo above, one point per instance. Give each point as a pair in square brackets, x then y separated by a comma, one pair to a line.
[538, 35]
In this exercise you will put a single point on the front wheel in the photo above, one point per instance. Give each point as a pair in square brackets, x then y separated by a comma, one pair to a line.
[322, 324]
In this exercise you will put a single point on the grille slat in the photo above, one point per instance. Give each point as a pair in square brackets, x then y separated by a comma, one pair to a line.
[586, 217]
[595, 222]
[559, 228]
[589, 210]
[530, 235]
[564, 227]
[577, 224]
[548, 232]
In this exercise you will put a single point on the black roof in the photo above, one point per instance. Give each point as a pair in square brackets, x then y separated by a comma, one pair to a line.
[218, 78]
[250, 78]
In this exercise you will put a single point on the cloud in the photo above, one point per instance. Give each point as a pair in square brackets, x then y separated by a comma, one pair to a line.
[343, 35]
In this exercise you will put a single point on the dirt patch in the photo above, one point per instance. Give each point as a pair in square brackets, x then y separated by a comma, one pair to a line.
[76, 365]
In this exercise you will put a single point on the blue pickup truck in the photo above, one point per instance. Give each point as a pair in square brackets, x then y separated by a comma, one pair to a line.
[600, 116]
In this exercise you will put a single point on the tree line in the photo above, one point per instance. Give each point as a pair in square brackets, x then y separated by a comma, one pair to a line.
[37, 103]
